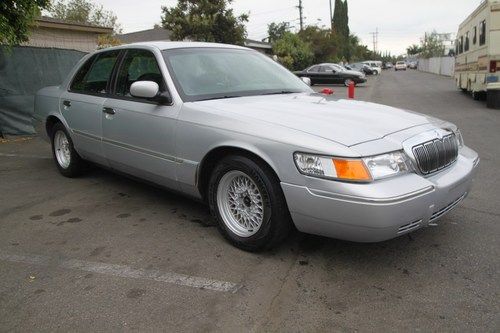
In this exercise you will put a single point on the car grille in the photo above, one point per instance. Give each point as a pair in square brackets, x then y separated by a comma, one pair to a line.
[437, 154]
[409, 227]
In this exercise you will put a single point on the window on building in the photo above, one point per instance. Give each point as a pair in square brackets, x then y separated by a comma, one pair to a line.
[466, 46]
[482, 33]
[461, 45]
[474, 36]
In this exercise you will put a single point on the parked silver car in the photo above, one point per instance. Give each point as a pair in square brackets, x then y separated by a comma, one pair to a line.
[230, 126]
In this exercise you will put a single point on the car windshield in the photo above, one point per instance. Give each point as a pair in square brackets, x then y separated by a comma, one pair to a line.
[212, 73]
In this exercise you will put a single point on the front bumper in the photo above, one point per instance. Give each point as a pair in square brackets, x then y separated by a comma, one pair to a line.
[383, 209]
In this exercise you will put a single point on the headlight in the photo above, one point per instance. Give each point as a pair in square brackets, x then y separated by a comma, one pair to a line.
[460, 139]
[356, 169]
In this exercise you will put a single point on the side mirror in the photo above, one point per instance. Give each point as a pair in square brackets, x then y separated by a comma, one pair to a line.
[144, 89]
[306, 80]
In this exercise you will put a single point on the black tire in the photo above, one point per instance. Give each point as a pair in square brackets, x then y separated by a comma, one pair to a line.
[77, 165]
[276, 222]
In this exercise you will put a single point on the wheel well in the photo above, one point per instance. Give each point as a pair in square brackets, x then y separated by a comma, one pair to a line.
[49, 123]
[210, 160]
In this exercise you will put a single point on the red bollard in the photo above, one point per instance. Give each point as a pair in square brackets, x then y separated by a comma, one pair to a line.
[350, 90]
[327, 91]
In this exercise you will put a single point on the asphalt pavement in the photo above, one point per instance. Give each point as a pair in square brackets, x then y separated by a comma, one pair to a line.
[107, 253]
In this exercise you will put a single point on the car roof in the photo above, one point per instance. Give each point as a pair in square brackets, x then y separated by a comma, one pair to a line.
[175, 45]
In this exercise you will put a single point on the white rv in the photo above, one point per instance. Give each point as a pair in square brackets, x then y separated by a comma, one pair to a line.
[477, 48]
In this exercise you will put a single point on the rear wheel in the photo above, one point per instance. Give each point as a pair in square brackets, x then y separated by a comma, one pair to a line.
[68, 162]
[247, 201]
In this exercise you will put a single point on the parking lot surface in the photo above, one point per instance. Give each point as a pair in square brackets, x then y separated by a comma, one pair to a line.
[103, 252]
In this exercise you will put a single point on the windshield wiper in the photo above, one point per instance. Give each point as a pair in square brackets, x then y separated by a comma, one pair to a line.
[281, 92]
[219, 97]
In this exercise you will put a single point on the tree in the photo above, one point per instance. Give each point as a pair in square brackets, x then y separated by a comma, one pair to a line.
[341, 27]
[341, 19]
[325, 45]
[16, 18]
[413, 49]
[205, 20]
[276, 30]
[432, 45]
[293, 52]
[84, 11]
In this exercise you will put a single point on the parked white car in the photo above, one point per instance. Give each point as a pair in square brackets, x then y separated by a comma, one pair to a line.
[400, 66]
[377, 68]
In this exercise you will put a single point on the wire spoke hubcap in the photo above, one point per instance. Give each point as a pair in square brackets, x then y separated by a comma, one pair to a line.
[240, 203]
[62, 149]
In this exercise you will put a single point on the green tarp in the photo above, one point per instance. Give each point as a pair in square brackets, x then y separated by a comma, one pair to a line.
[23, 71]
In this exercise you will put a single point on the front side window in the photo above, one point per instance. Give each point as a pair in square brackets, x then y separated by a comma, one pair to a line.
[138, 65]
[211, 73]
[482, 33]
[94, 75]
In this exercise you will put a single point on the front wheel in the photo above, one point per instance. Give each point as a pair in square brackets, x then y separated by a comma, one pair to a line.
[68, 162]
[246, 199]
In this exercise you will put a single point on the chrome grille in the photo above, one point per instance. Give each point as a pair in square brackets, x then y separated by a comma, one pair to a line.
[436, 154]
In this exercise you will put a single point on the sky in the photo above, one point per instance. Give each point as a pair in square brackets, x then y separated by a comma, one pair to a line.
[400, 23]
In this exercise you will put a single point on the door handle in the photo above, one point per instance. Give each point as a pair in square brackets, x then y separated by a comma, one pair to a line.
[67, 103]
[108, 110]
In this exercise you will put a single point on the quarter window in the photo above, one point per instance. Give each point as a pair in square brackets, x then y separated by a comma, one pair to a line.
[94, 75]
[314, 69]
[138, 65]
[482, 33]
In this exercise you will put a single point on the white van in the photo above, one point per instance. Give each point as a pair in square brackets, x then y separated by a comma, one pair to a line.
[477, 48]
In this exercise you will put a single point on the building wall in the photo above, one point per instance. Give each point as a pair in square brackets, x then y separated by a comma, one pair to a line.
[63, 39]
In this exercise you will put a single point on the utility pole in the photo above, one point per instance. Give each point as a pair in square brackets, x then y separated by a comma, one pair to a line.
[300, 13]
[331, 16]
[375, 40]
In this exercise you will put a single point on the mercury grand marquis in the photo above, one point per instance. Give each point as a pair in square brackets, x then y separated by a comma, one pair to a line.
[229, 126]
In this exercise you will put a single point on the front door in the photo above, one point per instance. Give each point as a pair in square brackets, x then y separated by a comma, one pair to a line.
[138, 134]
[82, 104]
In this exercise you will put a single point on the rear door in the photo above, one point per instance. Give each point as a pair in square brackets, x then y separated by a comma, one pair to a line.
[81, 106]
[138, 134]
[331, 75]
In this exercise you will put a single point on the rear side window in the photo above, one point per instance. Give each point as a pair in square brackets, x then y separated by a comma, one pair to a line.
[93, 76]
[138, 65]
[314, 69]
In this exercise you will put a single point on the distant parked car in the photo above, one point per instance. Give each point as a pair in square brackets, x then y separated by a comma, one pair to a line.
[400, 66]
[413, 65]
[387, 65]
[360, 67]
[377, 68]
[328, 74]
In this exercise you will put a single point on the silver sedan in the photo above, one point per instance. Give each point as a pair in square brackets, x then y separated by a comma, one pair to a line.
[228, 125]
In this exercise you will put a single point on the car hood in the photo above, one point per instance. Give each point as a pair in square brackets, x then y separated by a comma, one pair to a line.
[348, 122]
